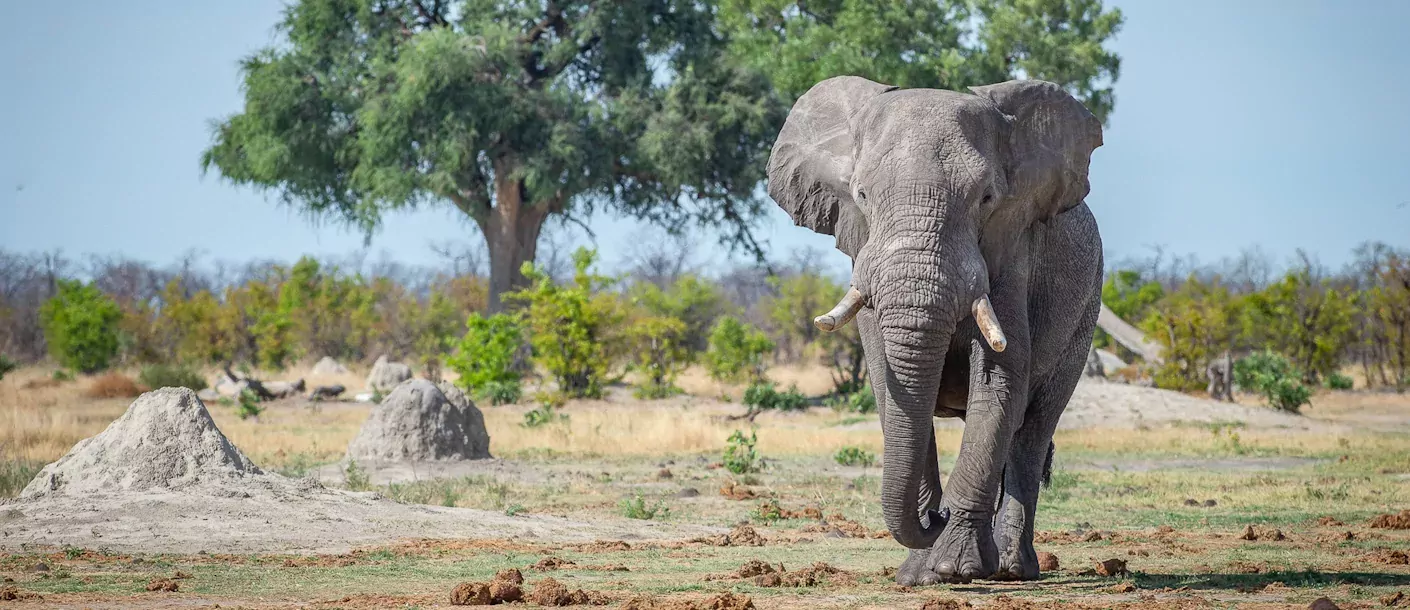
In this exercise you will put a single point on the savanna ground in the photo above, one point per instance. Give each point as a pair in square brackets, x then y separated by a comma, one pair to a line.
[1174, 502]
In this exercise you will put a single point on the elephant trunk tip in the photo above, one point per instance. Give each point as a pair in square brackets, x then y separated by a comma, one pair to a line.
[843, 313]
[988, 322]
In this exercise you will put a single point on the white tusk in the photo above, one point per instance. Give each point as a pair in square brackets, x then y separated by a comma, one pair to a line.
[988, 323]
[843, 313]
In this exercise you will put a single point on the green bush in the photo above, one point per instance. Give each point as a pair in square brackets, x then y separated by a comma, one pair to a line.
[248, 405]
[1271, 375]
[171, 376]
[659, 354]
[854, 456]
[484, 358]
[636, 507]
[861, 401]
[573, 328]
[356, 478]
[81, 325]
[740, 456]
[546, 412]
[61, 375]
[6, 365]
[737, 351]
[764, 397]
[1338, 381]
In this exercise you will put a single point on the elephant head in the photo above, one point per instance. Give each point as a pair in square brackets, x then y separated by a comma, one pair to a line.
[929, 192]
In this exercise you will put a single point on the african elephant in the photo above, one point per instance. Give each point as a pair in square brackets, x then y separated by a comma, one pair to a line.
[956, 205]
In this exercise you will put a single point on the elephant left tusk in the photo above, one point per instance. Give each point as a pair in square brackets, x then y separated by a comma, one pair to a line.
[843, 313]
[989, 323]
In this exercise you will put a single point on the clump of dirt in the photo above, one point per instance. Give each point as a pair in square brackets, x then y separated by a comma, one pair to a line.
[1111, 567]
[1391, 600]
[550, 563]
[1004, 602]
[603, 546]
[1327, 521]
[1262, 533]
[735, 491]
[741, 535]
[163, 584]
[549, 592]
[510, 575]
[1047, 562]
[419, 421]
[503, 589]
[179, 575]
[1245, 567]
[720, 601]
[665, 473]
[470, 594]
[166, 439]
[1389, 557]
[945, 604]
[13, 594]
[1124, 587]
[765, 575]
[1392, 522]
[1323, 603]
[839, 526]
[502, 592]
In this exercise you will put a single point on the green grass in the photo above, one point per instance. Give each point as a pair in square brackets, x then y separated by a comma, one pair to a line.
[15, 475]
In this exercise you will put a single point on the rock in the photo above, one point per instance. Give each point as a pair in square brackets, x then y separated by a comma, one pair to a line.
[386, 375]
[165, 440]
[689, 492]
[1111, 567]
[285, 389]
[1047, 562]
[1322, 603]
[326, 392]
[328, 366]
[419, 422]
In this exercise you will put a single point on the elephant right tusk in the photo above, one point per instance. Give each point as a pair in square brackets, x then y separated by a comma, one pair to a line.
[843, 313]
[988, 323]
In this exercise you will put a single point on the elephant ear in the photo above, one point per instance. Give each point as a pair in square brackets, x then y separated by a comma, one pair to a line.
[1051, 143]
[811, 164]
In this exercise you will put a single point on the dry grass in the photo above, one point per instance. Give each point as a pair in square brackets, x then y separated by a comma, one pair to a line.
[113, 385]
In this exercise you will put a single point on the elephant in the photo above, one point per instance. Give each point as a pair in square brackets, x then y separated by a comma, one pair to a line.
[955, 206]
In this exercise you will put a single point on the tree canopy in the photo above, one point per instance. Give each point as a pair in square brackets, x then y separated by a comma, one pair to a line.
[661, 110]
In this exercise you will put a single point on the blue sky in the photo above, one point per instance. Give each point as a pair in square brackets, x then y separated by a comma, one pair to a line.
[1279, 124]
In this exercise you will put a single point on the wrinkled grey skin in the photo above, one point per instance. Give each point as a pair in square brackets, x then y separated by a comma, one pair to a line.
[941, 197]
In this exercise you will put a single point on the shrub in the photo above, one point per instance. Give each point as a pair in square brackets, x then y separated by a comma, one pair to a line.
[740, 456]
[572, 327]
[81, 325]
[764, 397]
[248, 405]
[1271, 375]
[484, 358]
[861, 401]
[546, 412]
[6, 365]
[1338, 381]
[854, 456]
[737, 352]
[356, 478]
[113, 385]
[659, 353]
[171, 376]
[768, 511]
[60, 375]
[636, 507]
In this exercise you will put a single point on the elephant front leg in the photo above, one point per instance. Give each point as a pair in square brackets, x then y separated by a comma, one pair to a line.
[965, 549]
[1029, 458]
[915, 570]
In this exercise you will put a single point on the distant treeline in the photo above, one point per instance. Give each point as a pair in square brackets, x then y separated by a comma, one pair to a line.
[272, 315]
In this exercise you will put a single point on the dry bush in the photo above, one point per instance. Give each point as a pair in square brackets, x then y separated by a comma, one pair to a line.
[113, 385]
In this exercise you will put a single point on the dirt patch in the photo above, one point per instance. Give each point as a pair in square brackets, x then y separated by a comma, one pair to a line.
[1111, 567]
[741, 535]
[12, 594]
[603, 546]
[549, 592]
[839, 526]
[1326, 521]
[1388, 557]
[764, 574]
[945, 604]
[551, 563]
[163, 584]
[721, 601]
[735, 491]
[1392, 522]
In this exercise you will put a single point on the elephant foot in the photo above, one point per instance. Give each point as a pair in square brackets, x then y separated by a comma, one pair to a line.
[913, 571]
[965, 550]
[1019, 561]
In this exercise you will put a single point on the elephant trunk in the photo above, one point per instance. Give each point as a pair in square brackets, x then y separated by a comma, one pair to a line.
[920, 293]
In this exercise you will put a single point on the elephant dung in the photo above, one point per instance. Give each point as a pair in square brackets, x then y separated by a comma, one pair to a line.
[1047, 562]
[1111, 567]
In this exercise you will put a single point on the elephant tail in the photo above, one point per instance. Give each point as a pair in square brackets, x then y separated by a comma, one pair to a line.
[1048, 466]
